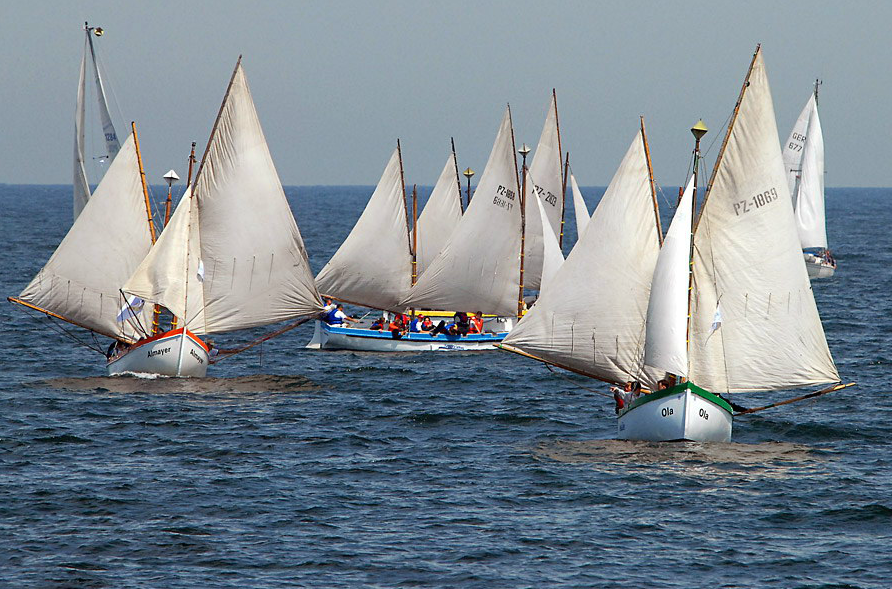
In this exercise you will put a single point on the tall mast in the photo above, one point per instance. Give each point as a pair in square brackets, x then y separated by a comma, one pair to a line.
[698, 130]
[818, 82]
[557, 124]
[191, 161]
[399, 152]
[142, 177]
[457, 179]
[414, 234]
[653, 187]
[522, 200]
[564, 199]
[718, 160]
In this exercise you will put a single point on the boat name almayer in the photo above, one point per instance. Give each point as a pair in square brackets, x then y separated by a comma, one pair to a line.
[158, 352]
[196, 356]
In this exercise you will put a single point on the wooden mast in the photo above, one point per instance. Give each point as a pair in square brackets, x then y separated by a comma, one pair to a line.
[191, 161]
[718, 160]
[523, 217]
[174, 321]
[557, 124]
[461, 206]
[653, 187]
[156, 309]
[399, 152]
[414, 234]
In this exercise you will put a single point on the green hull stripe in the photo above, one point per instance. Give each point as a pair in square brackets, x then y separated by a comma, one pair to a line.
[655, 396]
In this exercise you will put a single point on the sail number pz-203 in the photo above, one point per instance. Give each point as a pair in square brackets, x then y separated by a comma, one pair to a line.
[760, 200]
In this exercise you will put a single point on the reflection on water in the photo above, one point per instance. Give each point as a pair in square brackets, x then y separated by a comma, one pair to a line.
[767, 458]
[153, 384]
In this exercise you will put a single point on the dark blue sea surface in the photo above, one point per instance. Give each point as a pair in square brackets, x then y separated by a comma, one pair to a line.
[297, 468]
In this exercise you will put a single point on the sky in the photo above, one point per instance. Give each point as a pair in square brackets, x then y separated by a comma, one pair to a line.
[336, 83]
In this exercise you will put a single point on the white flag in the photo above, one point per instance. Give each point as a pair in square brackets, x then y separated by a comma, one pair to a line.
[716, 319]
[130, 309]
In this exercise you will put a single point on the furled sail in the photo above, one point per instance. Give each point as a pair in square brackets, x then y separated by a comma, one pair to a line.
[579, 208]
[373, 267]
[666, 346]
[440, 216]
[81, 280]
[810, 198]
[479, 267]
[748, 266]
[233, 244]
[591, 317]
[548, 187]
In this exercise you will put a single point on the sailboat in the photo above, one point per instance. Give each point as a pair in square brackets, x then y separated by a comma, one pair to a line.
[376, 265]
[804, 163]
[591, 317]
[729, 308]
[232, 256]
[81, 183]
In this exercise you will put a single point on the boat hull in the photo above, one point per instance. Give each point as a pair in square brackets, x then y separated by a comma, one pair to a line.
[330, 337]
[174, 353]
[684, 412]
[819, 267]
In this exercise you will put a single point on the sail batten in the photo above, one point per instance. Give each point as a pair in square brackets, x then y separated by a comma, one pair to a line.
[591, 316]
[374, 264]
[478, 268]
[754, 325]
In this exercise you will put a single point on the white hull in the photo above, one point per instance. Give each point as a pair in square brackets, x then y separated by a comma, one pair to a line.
[347, 338]
[680, 414]
[818, 267]
[174, 353]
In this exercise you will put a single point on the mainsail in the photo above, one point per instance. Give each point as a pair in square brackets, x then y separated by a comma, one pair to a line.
[552, 257]
[479, 267]
[810, 198]
[440, 216]
[105, 244]
[81, 184]
[373, 267]
[547, 186]
[591, 317]
[748, 265]
[232, 256]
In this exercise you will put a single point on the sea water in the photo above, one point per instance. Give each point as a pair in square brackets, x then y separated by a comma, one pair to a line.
[297, 468]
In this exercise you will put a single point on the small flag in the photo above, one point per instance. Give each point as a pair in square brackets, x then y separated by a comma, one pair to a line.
[200, 270]
[130, 309]
[716, 319]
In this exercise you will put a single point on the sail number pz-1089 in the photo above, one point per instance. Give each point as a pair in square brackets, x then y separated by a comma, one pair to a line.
[755, 202]
[501, 202]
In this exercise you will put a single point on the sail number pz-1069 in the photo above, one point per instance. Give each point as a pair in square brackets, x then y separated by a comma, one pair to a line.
[755, 202]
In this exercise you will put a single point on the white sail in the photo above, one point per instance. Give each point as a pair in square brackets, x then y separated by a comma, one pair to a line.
[440, 216]
[479, 267]
[794, 148]
[251, 268]
[168, 275]
[81, 280]
[547, 187]
[591, 317]
[108, 129]
[373, 267]
[747, 259]
[582, 216]
[552, 257]
[810, 198]
[667, 311]
[81, 185]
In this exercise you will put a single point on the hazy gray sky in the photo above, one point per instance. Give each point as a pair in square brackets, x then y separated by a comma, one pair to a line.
[336, 83]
